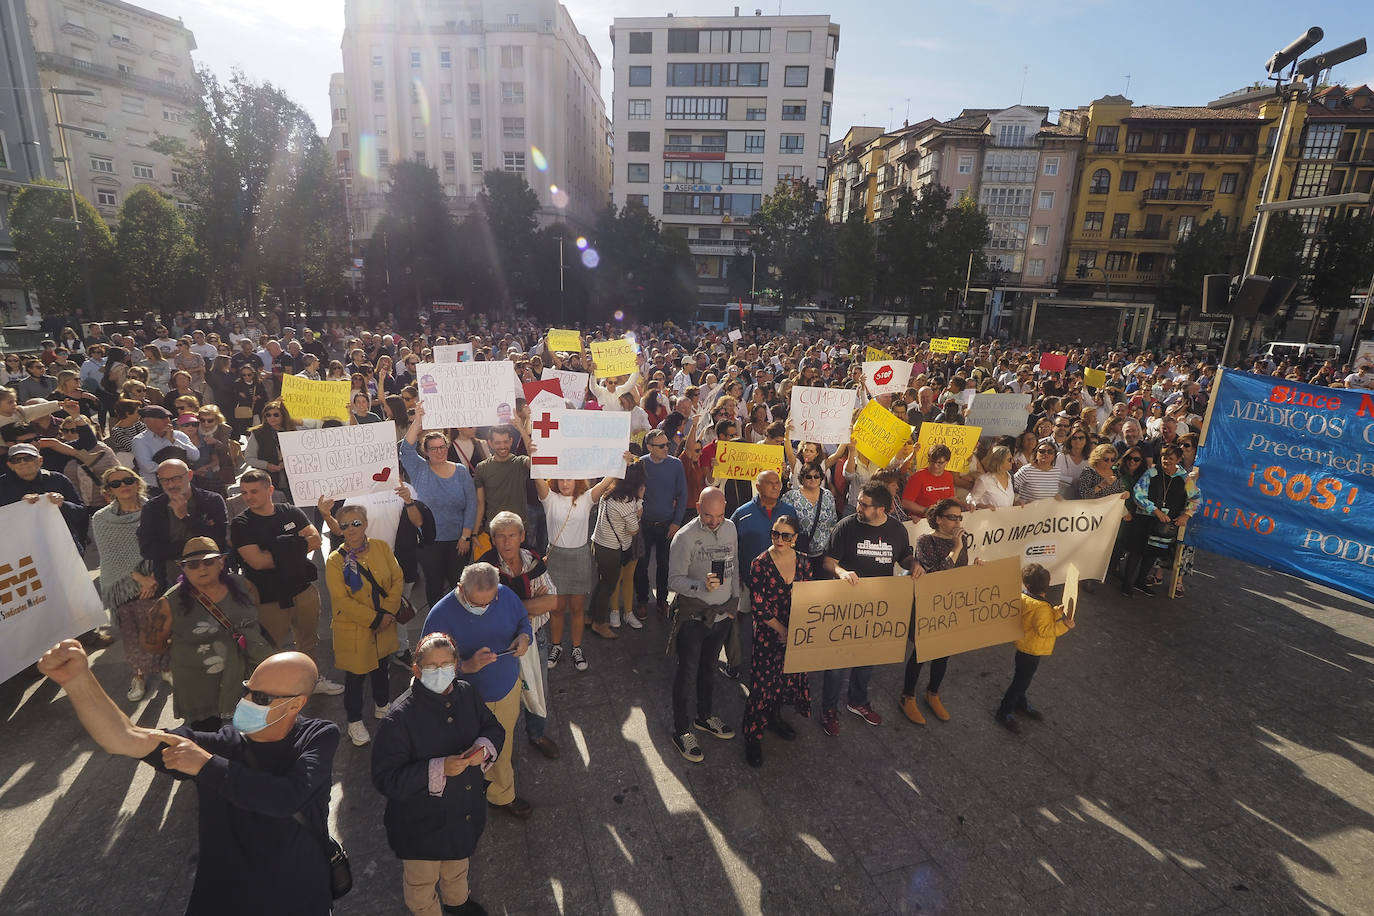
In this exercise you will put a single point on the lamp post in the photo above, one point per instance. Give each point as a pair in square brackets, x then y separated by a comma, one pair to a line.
[562, 314]
[71, 188]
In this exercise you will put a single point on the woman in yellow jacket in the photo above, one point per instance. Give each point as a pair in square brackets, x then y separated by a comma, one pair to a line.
[1042, 623]
[365, 585]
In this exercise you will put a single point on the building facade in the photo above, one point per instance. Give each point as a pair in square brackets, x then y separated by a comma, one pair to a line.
[136, 66]
[710, 113]
[470, 85]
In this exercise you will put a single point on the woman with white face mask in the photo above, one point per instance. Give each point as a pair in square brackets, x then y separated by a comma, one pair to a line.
[428, 759]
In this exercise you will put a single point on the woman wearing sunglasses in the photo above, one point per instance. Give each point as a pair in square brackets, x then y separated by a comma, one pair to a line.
[247, 398]
[814, 506]
[127, 584]
[90, 458]
[264, 449]
[209, 619]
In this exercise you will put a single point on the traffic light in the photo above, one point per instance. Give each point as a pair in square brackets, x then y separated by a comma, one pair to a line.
[1216, 292]
[1080, 272]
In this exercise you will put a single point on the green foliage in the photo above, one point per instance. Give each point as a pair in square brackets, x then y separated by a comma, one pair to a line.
[1281, 255]
[790, 233]
[505, 219]
[409, 261]
[55, 259]
[646, 272]
[161, 266]
[1208, 249]
[924, 247]
[854, 266]
[1344, 259]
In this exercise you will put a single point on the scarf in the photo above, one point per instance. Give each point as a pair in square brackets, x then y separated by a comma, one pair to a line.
[352, 578]
[116, 535]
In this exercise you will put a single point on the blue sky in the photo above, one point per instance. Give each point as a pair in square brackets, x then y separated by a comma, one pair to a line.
[929, 58]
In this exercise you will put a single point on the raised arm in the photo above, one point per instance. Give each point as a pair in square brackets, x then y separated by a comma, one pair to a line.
[67, 664]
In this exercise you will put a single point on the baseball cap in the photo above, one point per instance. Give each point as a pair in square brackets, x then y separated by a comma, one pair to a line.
[23, 448]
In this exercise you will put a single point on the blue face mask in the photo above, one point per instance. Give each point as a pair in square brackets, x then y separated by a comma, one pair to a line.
[437, 680]
[478, 609]
[249, 717]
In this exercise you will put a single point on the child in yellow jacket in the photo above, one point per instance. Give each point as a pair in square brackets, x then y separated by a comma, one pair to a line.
[1042, 623]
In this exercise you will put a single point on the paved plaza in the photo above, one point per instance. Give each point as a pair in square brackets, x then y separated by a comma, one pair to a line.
[1207, 755]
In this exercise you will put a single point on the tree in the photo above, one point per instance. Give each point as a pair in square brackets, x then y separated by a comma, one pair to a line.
[505, 216]
[158, 259]
[1282, 252]
[1208, 249]
[1344, 259]
[959, 248]
[639, 268]
[853, 266]
[55, 260]
[409, 261]
[924, 249]
[790, 232]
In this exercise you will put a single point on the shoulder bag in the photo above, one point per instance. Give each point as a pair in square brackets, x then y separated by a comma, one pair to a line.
[404, 614]
[804, 540]
[340, 870]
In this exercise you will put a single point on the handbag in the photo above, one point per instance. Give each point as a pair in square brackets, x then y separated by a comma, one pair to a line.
[532, 681]
[243, 413]
[804, 540]
[1162, 534]
[340, 871]
[404, 614]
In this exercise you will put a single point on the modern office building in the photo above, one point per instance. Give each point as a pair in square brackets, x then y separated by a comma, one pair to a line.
[466, 86]
[136, 67]
[710, 113]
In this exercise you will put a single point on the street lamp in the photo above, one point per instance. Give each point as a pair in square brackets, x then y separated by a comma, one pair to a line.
[71, 188]
[562, 313]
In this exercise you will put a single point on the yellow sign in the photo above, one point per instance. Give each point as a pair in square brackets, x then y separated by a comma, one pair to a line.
[957, 344]
[614, 357]
[878, 435]
[837, 625]
[960, 439]
[310, 400]
[971, 607]
[874, 355]
[939, 345]
[566, 341]
[1094, 378]
[745, 460]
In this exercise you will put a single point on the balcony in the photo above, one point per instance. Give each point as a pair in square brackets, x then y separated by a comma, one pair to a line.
[176, 91]
[1105, 147]
[1177, 196]
[693, 152]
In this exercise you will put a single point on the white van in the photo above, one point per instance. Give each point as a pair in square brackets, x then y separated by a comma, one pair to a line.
[1291, 350]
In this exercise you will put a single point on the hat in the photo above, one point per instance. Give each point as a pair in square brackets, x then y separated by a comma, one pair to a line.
[23, 448]
[201, 547]
[187, 418]
[688, 361]
[153, 410]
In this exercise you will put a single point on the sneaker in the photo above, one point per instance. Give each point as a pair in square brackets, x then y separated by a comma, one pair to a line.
[167, 678]
[136, 689]
[933, 701]
[633, 621]
[381, 711]
[555, 655]
[357, 733]
[615, 620]
[579, 660]
[686, 744]
[715, 726]
[865, 712]
[911, 710]
[1147, 590]
[327, 687]
[830, 722]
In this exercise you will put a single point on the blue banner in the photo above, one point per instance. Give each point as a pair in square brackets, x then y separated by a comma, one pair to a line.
[1288, 479]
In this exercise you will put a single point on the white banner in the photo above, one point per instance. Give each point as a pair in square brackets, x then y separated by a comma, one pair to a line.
[1052, 532]
[582, 444]
[467, 394]
[574, 385]
[340, 461]
[46, 594]
[888, 376]
[999, 414]
[822, 415]
[453, 353]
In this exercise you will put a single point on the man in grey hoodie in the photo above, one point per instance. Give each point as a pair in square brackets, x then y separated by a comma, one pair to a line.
[703, 569]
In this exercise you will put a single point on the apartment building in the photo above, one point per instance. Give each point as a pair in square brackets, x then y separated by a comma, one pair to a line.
[710, 113]
[135, 69]
[466, 86]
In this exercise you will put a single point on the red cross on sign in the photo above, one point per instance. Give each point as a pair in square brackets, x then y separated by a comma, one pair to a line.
[545, 426]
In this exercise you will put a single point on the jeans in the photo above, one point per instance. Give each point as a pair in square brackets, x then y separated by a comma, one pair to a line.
[537, 527]
[607, 576]
[534, 725]
[698, 644]
[656, 544]
[859, 677]
[353, 690]
[913, 674]
[441, 565]
[1015, 698]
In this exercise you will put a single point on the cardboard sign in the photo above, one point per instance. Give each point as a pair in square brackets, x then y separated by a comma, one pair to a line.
[962, 440]
[566, 341]
[453, 353]
[968, 608]
[581, 444]
[837, 625]
[614, 357]
[999, 414]
[745, 460]
[957, 344]
[886, 376]
[339, 462]
[307, 399]
[1053, 362]
[1094, 378]
[545, 394]
[939, 345]
[878, 435]
[735, 334]
[1070, 599]
[873, 354]
[821, 415]
[574, 385]
[467, 394]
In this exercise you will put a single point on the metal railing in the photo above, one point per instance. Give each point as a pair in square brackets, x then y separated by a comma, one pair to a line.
[1177, 195]
[178, 91]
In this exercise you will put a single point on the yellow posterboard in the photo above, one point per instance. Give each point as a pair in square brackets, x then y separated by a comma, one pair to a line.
[306, 399]
[566, 341]
[837, 625]
[614, 357]
[939, 345]
[745, 460]
[958, 344]
[878, 435]
[967, 608]
[874, 355]
[1094, 378]
[961, 441]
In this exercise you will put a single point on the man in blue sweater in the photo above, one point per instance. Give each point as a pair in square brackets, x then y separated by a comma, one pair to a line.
[491, 628]
[665, 503]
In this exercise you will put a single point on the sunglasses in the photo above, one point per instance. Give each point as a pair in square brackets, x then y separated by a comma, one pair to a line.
[1132, 458]
[813, 477]
[262, 698]
[20, 459]
[116, 482]
[356, 523]
[188, 423]
[952, 518]
[784, 535]
[198, 562]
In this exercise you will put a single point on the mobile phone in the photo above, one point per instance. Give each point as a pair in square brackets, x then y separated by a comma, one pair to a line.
[504, 652]
[718, 569]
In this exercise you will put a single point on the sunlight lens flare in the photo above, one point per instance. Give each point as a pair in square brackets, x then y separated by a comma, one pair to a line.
[581, 243]
[367, 156]
[422, 100]
[540, 161]
[590, 258]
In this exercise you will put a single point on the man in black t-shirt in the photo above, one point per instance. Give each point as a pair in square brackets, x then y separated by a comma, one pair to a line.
[864, 545]
[274, 541]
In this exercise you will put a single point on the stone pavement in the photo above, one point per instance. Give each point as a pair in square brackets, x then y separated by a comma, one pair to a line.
[1212, 754]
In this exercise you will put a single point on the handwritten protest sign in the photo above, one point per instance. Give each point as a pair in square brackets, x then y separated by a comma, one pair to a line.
[878, 435]
[340, 462]
[307, 399]
[886, 376]
[821, 414]
[545, 394]
[467, 394]
[873, 354]
[837, 625]
[566, 341]
[580, 444]
[1053, 362]
[939, 345]
[735, 334]
[574, 385]
[961, 440]
[745, 460]
[999, 414]
[453, 353]
[968, 608]
[1094, 378]
[957, 344]
[614, 357]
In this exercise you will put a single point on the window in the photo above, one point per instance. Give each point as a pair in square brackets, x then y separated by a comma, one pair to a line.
[417, 128]
[1041, 235]
[1228, 183]
[825, 144]
[640, 110]
[695, 108]
[1105, 141]
[138, 138]
[1035, 267]
[512, 56]
[376, 55]
[1146, 263]
[445, 93]
[475, 128]
[1046, 200]
[637, 173]
[683, 41]
[513, 128]
[384, 157]
[791, 143]
[1133, 138]
[445, 59]
[1051, 165]
[1121, 225]
[512, 19]
[637, 200]
[753, 142]
[829, 84]
[794, 111]
[132, 104]
[1101, 182]
[756, 110]
[474, 59]
[102, 164]
[513, 162]
[106, 198]
[641, 76]
[143, 171]
[420, 156]
[799, 42]
[378, 91]
[477, 162]
[796, 76]
[1087, 259]
[1186, 225]
[120, 33]
[97, 131]
[1127, 182]
[825, 113]
[474, 93]
[743, 173]
[1011, 135]
[415, 58]
[638, 141]
[125, 66]
[641, 42]
[1092, 221]
[379, 125]
[512, 93]
[790, 173]
[751, 74]
[1118, 260]
[450, 161]
[965, 166]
